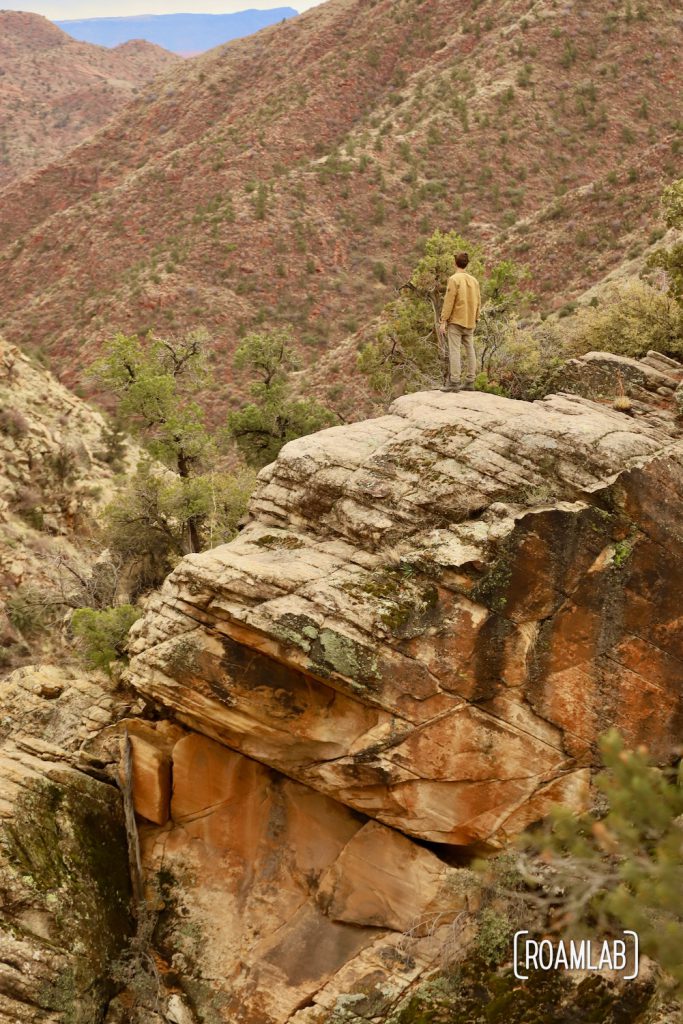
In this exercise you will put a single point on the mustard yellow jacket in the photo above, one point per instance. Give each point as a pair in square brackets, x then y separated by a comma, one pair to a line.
[462, 304]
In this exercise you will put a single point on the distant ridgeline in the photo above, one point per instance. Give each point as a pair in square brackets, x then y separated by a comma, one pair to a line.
[181, 33]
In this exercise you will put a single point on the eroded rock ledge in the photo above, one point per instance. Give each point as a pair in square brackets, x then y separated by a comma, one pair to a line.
[432, 616]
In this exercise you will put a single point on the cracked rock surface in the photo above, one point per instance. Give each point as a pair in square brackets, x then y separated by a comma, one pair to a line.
[405, 657]
[432, 616]
[419, 635]
[64, 885]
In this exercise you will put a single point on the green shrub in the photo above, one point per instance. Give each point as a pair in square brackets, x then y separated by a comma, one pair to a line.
[113, 451]
[619, 867]
[631, 319]
[27, 502]
[27, 612]
[274, 416]
[494, 935]
[671, 260]
[380, 272]
[104, 634]
[146, 526]
[407, 353]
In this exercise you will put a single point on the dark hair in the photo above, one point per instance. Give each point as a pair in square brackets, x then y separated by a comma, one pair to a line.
[461, 260]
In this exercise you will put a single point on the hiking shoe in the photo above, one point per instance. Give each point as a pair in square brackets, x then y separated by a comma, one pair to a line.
[468, 387]
[451, 388]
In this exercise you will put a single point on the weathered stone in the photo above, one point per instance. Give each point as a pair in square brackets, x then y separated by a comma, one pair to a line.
[54, 474]
[384, 880]
[151, 780]
[432, 616]
[151, 745]
[64, 887]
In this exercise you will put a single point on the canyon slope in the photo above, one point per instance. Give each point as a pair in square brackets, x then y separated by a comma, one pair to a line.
[55, 92]
[58, 466]
[231, 197]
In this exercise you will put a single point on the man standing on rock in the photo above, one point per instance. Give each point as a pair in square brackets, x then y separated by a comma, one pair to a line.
[459, 316]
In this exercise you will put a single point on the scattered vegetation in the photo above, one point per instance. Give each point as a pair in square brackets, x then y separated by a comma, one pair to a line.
[146, 526]
[408, 353]
[671, 260]
[13, 423]
[274, 416]
[618, 866]
[631, 319]
[159, 515]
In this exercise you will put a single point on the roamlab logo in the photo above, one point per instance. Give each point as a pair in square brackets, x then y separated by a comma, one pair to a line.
[618, 954]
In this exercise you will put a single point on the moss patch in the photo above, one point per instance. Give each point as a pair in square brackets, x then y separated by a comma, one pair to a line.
[492, 590]
[273, 542]
[403, 602]
[330, 652]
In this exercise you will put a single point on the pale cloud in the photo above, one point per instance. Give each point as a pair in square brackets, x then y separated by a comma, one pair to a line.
[59, 10]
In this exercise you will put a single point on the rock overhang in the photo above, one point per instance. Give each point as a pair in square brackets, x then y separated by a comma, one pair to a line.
[426, 615]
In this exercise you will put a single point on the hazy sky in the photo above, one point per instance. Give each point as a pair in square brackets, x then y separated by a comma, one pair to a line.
[61, 9]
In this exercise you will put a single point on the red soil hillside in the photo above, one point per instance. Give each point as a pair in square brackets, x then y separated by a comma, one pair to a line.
[292, 176]
[54, 91]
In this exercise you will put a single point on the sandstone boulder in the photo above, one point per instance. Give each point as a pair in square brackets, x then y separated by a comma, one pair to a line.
[384, 880]
[432, 616]
[274, 892]
[151, 745]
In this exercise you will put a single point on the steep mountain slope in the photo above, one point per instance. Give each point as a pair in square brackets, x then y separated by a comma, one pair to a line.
[289, 177]
[181, 33]
[57, 466]
[54, 91]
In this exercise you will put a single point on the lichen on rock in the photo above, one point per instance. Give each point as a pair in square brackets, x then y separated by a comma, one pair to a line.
[65, 906]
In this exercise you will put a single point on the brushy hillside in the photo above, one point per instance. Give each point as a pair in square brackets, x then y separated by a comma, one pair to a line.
[54, 91]
[230, 197]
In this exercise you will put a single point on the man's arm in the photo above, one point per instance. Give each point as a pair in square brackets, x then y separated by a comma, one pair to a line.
[448, 302]
[478, 313]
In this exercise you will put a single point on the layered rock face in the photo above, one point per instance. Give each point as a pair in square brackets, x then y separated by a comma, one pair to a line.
[432, 616]
[405, 658]
[65, 911]
[419, 635]
[276, 902]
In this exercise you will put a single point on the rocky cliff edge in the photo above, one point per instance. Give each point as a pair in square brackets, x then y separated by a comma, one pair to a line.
[433, 615]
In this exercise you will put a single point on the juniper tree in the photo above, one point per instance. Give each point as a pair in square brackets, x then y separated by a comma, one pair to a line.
[621, 865]
[156, 382]
[274, 416]
[160, 516]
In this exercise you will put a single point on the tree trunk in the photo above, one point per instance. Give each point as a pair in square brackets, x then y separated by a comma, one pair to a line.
[193, 537]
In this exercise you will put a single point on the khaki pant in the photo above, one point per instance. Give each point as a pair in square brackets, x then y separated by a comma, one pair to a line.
[458, 336]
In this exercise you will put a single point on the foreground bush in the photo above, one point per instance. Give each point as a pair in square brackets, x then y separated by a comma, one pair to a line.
[620, 867]
[104, 634]
[146, 526]
[631, 319]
